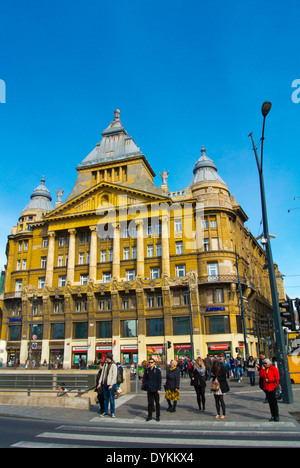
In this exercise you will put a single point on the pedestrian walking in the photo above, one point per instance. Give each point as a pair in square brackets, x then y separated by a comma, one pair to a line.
[270, 376]
[219, 386]
[198, 380]
[152, 383]
[107, 382]
[262, 356]
[239, 364]
[208, 363]
[172, 386]
[99, 390]
[251, 368]
[120, 379]
[232, 372]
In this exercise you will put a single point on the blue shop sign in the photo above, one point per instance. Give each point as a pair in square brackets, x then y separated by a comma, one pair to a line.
[214, 309]
[15, 320]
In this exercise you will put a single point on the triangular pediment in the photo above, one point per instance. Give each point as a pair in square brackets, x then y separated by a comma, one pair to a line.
[104, 195]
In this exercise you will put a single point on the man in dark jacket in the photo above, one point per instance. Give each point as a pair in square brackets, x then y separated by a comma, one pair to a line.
[153, 384]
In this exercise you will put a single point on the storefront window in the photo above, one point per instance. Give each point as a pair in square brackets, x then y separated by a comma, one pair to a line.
[218, 324]
[129, 328]
[181, 325]
[58, 331]
[104, 329]
[37, 329]
[155, 327]
[80, 330]
[15, 333]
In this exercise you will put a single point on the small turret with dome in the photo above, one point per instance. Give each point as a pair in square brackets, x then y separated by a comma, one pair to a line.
[207, 186]
[39, 205]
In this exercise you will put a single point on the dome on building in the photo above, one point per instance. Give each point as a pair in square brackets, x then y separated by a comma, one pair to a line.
[40, 199]
[115, 144]
[205, 170]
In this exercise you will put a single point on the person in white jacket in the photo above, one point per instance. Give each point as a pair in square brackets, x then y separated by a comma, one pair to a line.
[108, 382]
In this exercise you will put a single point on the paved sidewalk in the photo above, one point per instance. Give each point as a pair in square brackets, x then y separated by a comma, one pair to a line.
[244, 404]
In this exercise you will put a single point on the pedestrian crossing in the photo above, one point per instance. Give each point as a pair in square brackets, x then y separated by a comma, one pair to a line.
[125, 434]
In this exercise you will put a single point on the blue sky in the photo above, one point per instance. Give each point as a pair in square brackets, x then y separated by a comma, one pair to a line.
[184, 73]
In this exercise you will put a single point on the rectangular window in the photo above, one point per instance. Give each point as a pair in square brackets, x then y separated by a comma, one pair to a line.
[15, 333]
[37, 329]
[129, 328]
[45, 242]
[150, 300]
[159, 301]
[213, 223]
[180, 270]
[104, 329]
[206, 244]
[18, 285]
[103, 256]
[217, 325]
[179, 248]
[106, 277]
[84, 279]
[158, 250]
[62, 281]
[213, 271]
[80, 330]
[58, 331]
[18, 265]
[41, 283]
[81, 258]
[110, 255]
[219, 296]
[150, 250]
[61, 241]
[204, 224]
[155, 327]
[24, 265]
[43, 262]
[126, 253]
[178, 225]
[130, 275]
[181, 325]
[60, 261]
[155, 273]
[133, 252]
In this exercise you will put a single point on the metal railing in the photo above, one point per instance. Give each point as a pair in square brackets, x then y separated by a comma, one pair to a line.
[54, 384]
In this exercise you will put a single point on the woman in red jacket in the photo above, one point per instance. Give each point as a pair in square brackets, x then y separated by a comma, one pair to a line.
[270, 376]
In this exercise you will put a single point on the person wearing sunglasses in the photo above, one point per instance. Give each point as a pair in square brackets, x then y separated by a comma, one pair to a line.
[153, 385]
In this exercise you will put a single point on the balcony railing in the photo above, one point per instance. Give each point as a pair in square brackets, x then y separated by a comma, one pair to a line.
[219, 279]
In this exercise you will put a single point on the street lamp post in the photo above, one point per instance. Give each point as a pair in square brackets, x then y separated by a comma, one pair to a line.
[287, 394]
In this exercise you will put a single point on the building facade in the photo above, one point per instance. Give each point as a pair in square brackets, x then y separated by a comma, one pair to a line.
[125, 266]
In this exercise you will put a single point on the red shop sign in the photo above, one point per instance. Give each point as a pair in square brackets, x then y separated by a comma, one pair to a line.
[218, 347]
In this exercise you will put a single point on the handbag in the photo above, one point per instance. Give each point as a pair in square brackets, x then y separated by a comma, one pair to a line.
[144, 387]
[278, 391]
[215, 385]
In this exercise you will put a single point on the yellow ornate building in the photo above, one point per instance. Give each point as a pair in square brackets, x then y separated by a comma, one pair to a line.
[125, 266]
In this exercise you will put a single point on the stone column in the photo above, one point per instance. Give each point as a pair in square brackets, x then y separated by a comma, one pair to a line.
[116, 252]
[71, 256]
[165, 245]
[93, 254]
[140, 260]
[50, 259]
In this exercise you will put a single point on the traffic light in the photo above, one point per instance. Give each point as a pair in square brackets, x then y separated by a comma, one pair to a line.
[288, 315]
[297, 305]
